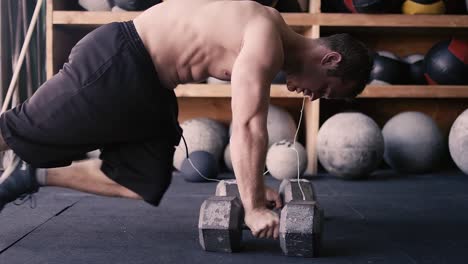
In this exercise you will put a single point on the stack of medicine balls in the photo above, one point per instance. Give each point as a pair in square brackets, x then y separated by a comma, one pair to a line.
[409, 7]
[208, 146]
[446, 63]
[351, 145]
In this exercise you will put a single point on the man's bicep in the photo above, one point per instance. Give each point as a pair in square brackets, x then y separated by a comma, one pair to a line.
[259, 60]
[250, 95]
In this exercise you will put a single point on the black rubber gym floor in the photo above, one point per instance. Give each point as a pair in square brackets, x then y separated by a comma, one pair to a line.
[389, 219]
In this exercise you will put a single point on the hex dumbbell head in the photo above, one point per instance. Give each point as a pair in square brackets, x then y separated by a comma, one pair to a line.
[289, 190]
[300, 229]
[227, 188]
[219, 225]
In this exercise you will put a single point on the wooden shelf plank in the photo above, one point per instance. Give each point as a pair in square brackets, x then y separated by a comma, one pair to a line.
[224, 90]
[98, 18]
[293, 19]
[415, 91]
[392, 20]
[280, 91]
[91, 18]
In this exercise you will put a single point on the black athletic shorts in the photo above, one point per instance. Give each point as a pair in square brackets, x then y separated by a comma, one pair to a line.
[107, 96]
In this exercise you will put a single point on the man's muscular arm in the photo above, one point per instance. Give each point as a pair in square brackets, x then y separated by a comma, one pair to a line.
[260, 58]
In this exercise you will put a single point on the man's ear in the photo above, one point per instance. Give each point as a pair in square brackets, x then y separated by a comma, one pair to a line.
[331, 60]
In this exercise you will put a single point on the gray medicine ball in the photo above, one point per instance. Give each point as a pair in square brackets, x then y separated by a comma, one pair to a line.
[413, 143]
[202, 134]
[95, 5]
[350, 145]
[282, 160]
[458, 141]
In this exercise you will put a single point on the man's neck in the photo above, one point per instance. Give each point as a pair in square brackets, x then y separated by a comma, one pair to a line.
[296, 48]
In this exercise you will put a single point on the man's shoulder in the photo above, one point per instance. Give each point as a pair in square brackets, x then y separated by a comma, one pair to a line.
[268, 21]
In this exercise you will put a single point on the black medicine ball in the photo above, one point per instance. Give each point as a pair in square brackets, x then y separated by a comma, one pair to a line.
[204, 162]
[367, 6]
[388, 69]
[416, 69]
[447, 63]
[136, 5]
[425, 2]
[455, 7]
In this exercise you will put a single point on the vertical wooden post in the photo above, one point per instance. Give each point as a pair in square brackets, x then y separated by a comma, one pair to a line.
[49, 39]
[312, 110]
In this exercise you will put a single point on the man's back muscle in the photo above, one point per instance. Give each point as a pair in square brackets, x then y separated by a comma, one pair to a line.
[192, 40]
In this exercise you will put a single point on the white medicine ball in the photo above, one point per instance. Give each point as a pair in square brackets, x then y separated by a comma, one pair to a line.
[201, 134]
[282, 160]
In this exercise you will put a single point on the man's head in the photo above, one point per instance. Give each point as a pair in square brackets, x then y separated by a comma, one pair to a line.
[337, 67]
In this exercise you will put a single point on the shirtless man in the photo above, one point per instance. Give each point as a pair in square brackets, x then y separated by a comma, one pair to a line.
[116, 93]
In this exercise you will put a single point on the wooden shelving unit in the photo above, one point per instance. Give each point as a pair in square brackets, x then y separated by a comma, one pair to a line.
[373, 91]
[66, 25]
[299, 19]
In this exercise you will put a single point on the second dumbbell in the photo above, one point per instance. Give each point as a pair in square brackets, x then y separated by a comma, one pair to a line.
[221, 222]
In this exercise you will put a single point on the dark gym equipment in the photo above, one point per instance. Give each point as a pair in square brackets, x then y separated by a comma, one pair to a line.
[334, 6]
[267, 2]
[135, 5]
[416, 69]
[447, 63]
[227, 188]
[221, 223]
[455, 7]
[366, 6]
[425, 2]
[288, 6]
[289, 190]
[301, 221]
[362, 6]
[204, 162]
[389, 69]
[284, 6]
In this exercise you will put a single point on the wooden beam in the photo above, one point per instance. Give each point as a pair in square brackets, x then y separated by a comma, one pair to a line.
[312, 116]
[292, 19]
[389, 20]
[224, 91]
[415, 91]
[384, 91]
[49, 39]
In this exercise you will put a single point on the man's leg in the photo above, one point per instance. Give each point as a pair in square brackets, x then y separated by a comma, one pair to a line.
[87, 176]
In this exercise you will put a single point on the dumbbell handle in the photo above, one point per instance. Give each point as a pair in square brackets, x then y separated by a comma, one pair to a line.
[245, 227]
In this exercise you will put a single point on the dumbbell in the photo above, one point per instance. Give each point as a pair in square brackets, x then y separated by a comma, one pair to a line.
[289, 190]
[221, 222]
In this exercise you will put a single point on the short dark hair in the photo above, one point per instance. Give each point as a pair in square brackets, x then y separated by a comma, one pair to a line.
[356, 60]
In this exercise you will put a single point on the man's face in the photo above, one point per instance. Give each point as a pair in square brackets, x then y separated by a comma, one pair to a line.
[317, 84]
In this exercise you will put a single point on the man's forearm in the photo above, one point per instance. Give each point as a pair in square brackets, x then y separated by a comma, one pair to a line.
[248, 151]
